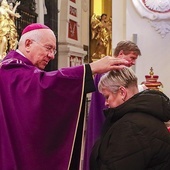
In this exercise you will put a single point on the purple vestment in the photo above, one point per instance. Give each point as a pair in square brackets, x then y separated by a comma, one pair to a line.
[95, 121]
[39, 113]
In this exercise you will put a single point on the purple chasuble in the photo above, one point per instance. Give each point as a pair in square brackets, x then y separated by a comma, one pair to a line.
[39, 113]
[95, 121]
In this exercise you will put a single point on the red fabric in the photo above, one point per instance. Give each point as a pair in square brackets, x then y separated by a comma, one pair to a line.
[168, 128]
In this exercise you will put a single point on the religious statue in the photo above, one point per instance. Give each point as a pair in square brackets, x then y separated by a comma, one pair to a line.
[8, 32]
[101, 30]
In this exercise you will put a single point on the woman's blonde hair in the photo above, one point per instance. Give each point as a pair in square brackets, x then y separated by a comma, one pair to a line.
[114, 79]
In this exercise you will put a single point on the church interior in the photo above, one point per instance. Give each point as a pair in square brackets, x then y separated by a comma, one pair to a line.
[72, 21]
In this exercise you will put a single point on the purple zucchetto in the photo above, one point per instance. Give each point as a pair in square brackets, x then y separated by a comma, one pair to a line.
[34, 26]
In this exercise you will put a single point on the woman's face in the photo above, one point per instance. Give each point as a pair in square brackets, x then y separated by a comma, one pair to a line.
[112, 99]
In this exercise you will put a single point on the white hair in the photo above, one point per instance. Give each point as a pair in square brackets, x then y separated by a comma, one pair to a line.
[36, 35]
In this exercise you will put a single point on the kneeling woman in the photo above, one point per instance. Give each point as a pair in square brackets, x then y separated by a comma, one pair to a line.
[134, 135]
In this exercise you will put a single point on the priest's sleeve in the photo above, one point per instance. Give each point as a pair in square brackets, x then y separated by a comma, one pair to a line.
[89, 87]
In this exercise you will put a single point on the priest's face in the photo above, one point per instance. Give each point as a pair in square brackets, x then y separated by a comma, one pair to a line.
[43, 49]
[130, 57]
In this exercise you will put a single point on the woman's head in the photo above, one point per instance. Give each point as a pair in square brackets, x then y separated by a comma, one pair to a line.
[117, 86]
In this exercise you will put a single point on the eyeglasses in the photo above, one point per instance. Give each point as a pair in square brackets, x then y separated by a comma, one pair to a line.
[48, 48]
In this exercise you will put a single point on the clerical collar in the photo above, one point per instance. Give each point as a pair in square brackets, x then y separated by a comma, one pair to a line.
[18, 51]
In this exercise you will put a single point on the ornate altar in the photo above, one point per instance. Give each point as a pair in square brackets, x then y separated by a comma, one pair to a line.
[151, 81]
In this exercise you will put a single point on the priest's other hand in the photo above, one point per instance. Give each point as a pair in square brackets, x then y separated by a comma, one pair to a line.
[107, 63]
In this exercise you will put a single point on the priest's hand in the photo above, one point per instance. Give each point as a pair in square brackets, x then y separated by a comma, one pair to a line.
[107, 63]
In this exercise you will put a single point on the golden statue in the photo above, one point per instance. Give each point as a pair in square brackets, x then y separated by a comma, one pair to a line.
[8, 32]
[101, 30]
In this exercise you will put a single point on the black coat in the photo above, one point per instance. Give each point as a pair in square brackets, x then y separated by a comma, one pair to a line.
[135, 136]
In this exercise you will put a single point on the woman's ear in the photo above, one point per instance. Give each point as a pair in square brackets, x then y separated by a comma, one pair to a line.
[123, 92]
